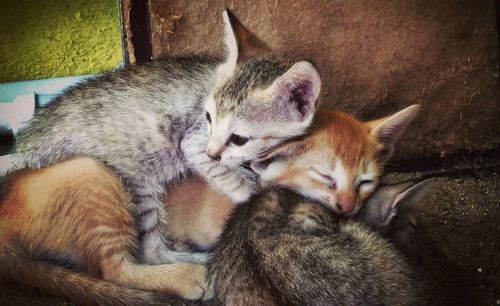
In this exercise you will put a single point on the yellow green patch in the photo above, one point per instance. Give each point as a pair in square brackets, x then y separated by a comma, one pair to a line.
[43, 39]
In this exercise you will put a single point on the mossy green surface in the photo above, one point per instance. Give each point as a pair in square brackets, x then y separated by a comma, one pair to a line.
[52, 38]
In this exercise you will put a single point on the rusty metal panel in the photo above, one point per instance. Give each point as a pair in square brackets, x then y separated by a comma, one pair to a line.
[374, 57]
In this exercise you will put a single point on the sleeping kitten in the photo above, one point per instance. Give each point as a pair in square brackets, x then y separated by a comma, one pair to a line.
[280, 248]
[152, 123]
[76, 213]
[337, 164]
[388, 215]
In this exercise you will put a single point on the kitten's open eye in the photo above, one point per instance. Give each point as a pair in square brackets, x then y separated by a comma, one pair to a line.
[207, 115]
[238, 139]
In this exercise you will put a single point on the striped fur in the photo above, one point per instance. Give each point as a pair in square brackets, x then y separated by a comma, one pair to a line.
[280, 248]
[80, 289]
[148, 123]
[79, 210]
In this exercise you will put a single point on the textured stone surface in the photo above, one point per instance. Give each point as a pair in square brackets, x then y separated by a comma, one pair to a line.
[42, 39]
[374, 57]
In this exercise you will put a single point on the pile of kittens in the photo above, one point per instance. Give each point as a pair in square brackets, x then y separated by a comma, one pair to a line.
[209, 179]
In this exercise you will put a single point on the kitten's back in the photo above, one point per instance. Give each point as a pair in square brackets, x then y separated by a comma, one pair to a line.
[45, 211]
[66, 191]
[196, 213]
[297, 253]
[76, 213]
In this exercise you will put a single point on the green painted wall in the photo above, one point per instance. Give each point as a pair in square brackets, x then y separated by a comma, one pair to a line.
[51, 38]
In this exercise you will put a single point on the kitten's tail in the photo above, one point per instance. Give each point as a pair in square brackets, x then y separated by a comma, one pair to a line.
[77, 288]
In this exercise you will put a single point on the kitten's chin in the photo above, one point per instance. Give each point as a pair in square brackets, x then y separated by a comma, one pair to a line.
[247, 171]
[244, 171]
[237, 165]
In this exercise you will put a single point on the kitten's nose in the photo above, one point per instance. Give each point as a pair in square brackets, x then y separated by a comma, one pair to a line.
[345, 203]
[213, 155]
[214, 150]
[345, 208]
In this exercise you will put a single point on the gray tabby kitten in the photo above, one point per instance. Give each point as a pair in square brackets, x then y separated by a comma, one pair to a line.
[282, 249]
[152, 123]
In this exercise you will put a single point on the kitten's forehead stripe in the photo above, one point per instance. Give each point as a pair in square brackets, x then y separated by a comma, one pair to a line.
[345, 135]
[257, 72]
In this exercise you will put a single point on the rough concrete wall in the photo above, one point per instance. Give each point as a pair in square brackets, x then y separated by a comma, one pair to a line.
[374, 57]
[41, 39]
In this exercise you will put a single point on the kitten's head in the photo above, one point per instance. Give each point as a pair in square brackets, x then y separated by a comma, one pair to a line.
[380, 208]
[339, 162]
[258, 101]
[384, 212]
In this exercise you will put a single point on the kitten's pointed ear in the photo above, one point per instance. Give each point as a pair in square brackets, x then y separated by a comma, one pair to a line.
[296, 92]
[410, 195]
[240, 43]
[387, 130]
[383, 205]
[402, 196]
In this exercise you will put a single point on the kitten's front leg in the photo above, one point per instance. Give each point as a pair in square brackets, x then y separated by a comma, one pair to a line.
[238, 184]
[154, 246]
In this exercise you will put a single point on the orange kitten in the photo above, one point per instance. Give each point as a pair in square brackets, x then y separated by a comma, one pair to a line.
[77, 211]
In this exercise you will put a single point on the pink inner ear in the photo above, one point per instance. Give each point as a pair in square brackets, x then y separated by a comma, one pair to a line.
[398, 199]
[301, 95]
[297, 91]
[390, 132]
[396, 124]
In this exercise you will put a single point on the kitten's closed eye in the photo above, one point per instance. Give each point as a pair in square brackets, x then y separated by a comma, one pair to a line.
[365, 185]
[207, 115]
[329, 180]
[365, 182]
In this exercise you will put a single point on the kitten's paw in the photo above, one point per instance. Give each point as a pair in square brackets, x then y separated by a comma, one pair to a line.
[193, 284]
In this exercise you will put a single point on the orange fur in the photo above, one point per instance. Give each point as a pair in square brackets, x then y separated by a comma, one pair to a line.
[343, 135]
[196, 213]
[79, 209]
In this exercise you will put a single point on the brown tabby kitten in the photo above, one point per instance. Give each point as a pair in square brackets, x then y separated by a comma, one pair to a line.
[280, 248]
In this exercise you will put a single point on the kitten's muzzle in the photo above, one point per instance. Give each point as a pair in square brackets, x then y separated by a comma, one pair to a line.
[214, 156]
[346, 203]
[214, 151]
